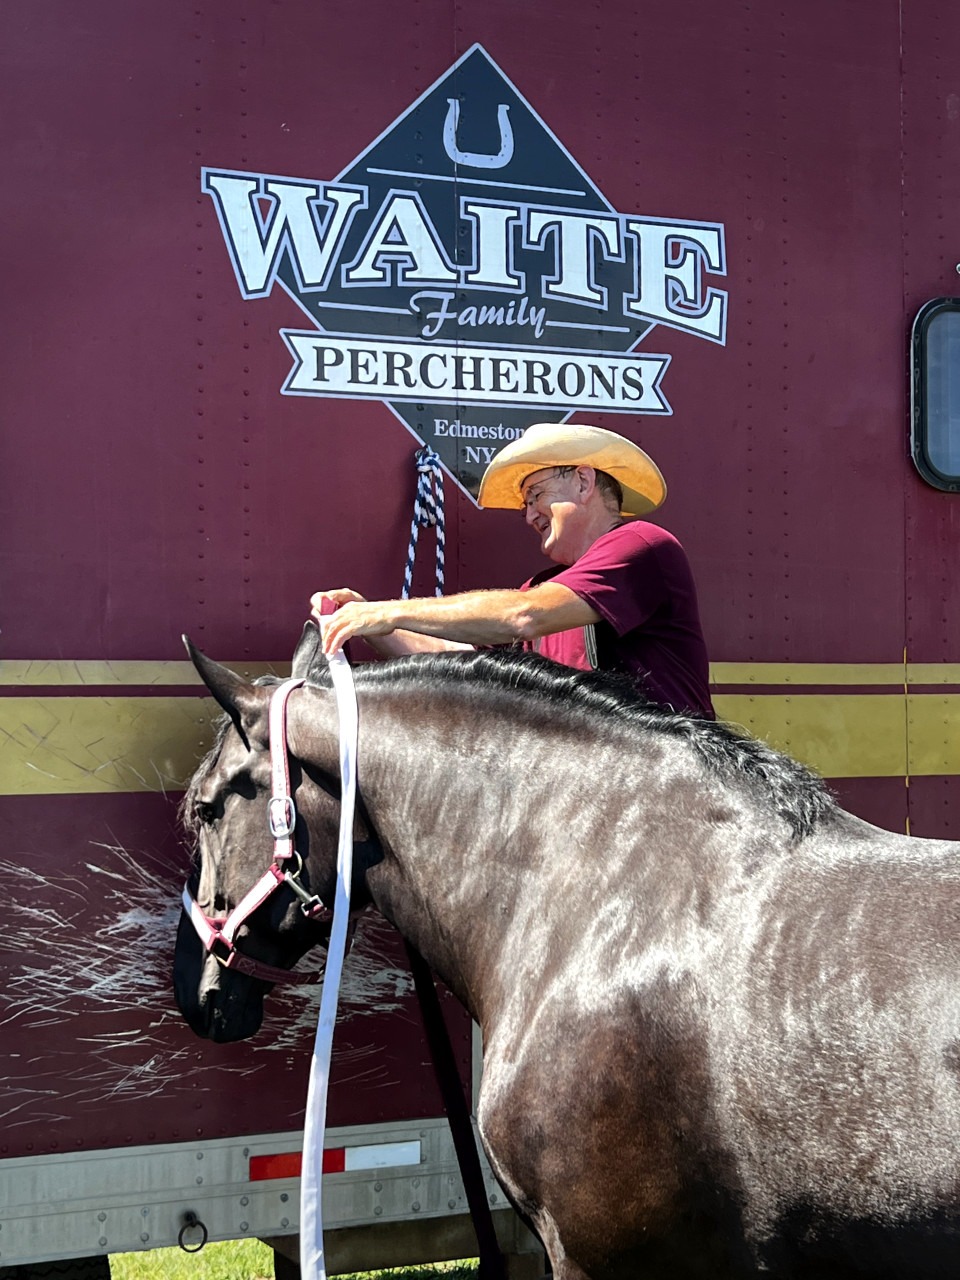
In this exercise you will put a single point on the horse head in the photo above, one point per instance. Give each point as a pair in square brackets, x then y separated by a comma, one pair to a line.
[220, 981]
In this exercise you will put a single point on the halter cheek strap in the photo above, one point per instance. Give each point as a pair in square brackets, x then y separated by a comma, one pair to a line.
[218, 933]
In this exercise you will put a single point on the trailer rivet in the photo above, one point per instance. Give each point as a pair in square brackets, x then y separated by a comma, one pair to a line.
[378, 1186]
[493, 1199]
[144, 1213]
[244, 1200]
[246, 1152]
[451, 1204]
[284, 1197]
[199, 1182]
[144, 1237]
[199, 1155]
[415, 1206]
[416, 1182]
[102, 1241]
[378, 1210]
[284, 1222]
[244, 1226]
[101, 1217]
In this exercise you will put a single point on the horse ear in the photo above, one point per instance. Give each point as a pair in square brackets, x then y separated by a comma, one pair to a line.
[244, 703]
[308, 649]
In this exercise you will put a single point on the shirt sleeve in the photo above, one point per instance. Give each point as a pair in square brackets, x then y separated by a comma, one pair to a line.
[622, 575]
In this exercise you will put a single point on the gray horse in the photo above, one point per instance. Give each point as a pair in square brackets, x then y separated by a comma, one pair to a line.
[721, 1016]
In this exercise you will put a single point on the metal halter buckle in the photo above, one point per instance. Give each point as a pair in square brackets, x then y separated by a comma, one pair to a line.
[282, 816]
[310, 904]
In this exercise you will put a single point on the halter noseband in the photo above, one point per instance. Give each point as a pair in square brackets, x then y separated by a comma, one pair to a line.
[218, 933]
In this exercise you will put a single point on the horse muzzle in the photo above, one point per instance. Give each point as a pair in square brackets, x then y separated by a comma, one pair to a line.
[218, 1004]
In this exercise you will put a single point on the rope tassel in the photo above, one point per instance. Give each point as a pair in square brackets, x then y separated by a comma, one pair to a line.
[427, 513]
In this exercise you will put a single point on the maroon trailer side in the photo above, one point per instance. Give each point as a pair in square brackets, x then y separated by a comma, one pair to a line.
[256, 256]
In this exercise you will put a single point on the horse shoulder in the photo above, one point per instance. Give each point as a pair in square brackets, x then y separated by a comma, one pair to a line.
[611, 1105]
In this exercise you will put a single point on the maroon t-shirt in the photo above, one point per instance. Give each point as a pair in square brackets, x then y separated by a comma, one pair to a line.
[638, 580]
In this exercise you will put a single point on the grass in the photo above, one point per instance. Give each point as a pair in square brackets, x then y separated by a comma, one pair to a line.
[227, 1260]
[465, 1269]
[251, 1260]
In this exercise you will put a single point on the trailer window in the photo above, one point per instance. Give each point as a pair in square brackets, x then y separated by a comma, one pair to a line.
[935, 373]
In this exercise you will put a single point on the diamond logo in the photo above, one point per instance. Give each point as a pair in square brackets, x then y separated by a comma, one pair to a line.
[465, 271]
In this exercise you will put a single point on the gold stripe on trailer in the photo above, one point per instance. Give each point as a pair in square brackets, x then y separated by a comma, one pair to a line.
[809, 673]
[855, 735]
[69, 745]
[100, 673]
[835, 673]
[65, 745]
[105, 673]
[841, 735]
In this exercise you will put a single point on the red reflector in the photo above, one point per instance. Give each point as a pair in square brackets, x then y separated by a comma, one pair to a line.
[285, 1166]
[262, 1168]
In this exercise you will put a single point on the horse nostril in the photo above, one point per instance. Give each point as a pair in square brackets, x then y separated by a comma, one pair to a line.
[219, 904]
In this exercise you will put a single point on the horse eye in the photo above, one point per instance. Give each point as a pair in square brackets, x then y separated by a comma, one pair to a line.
[206, 813]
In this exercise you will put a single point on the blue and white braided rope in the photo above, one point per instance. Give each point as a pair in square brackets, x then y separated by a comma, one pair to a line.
[427, 513]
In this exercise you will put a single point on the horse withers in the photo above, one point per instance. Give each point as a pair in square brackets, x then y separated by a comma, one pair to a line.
[720, 1016]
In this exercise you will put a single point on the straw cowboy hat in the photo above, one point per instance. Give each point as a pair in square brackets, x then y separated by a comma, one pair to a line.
[569, 444]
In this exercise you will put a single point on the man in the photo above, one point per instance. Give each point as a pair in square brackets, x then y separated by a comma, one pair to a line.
[621, 598]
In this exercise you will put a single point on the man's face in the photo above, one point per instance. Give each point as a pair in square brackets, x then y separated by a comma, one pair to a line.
[551, 506]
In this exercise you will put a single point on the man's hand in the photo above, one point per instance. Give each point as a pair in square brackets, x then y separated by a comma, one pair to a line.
[354, 616]
[326, 602]
[357, 617]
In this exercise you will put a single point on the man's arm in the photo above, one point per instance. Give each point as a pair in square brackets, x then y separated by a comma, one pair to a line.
[395, 645]
[469, 618]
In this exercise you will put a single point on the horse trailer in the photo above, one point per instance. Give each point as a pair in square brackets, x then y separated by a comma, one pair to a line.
[292, 245]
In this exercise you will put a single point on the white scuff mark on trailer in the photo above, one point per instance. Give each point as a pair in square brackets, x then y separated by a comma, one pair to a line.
[371, 984]
[103, 871]
[88, 961]
[28, 764]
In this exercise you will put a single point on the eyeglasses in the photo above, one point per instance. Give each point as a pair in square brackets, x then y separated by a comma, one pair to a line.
[533, 495]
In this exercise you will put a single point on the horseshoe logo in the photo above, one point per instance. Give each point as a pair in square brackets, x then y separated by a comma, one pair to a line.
[478, 159]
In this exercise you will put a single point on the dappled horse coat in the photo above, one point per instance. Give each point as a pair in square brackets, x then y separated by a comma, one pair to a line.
[721, 1016]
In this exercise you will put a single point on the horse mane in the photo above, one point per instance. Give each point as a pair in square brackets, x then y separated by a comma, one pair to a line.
[588, 698]
[796, 793]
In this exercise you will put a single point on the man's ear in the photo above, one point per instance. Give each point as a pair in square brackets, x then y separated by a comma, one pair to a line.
[587, 477]
[246, 704]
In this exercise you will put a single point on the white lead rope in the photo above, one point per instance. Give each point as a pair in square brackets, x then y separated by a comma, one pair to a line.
[312, 1263]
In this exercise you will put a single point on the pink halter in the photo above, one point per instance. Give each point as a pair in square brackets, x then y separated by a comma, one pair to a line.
[218, 933]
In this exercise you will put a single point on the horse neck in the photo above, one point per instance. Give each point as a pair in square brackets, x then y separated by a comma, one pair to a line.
[438, 785]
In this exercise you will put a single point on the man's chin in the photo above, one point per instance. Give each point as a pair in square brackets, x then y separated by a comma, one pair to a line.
[553, 552]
